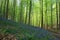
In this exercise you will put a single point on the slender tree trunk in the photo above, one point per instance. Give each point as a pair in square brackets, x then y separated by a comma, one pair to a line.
[46, 21]
[7, 9]
[57, 12]
[14, 5]
[51, 16]
[13, 10]
[42, 14]
[30, 7]
[4, 13]
[21, 11]
[59, 16]
[26, 16]
[26, 13]
[1, 14]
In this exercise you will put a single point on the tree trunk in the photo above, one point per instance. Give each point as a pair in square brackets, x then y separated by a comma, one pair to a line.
[7, 9]
[30, 7]
[26, 12]
[59, 16]
[51, 15]
[4, 9]
[42, 14]
[21, 11]
[57, 13]
[46, 20]
[14, 5]
[1, 14]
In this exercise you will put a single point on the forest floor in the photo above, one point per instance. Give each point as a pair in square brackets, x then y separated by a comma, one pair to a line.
[56, 33]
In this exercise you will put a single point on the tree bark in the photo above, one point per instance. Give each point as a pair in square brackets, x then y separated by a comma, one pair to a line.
[30, 7]
[46, 20]
[57, 13]
[42, 14]
[51, 15]
[59, 16]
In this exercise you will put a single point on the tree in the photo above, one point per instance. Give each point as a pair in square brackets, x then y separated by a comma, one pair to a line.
[41, 13]
[46, 20]
[4, 10]
[57, 12]
[51, 15]
[7, 9]
[30, 7]
[59, 16]
[1, 2]
[27, 3]
[14, 9]
[21, 11]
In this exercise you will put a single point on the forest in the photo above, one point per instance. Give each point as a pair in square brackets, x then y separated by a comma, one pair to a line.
[30, 19]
